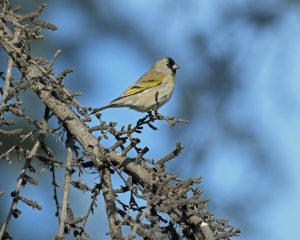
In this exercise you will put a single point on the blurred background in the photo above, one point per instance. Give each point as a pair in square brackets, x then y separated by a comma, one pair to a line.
[238, 85]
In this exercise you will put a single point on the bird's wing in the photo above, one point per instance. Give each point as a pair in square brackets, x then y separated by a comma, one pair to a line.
[148, 80]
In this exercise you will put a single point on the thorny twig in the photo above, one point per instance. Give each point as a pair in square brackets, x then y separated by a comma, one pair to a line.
[110, 205]
[68, 172]
[13, 209]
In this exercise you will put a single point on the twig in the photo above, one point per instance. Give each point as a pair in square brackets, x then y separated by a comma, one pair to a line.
[171, 155]
[207, 232]
[9, 76]
[152, 117]
[55, 196]
[24, 170]
[11, 132]
[68, 172]
[110, 205]
[91, 207]
[6, 86]
[139, 218]
[23, 138]
[51, 63]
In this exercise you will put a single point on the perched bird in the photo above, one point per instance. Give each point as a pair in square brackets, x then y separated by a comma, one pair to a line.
[151, 91]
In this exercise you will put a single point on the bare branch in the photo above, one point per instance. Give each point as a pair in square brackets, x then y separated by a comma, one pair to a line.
[68, 171]
[208, 234]
[96, 192]
[8, 79]
[110, 206]
[55, 196]
[171, 155]
[24, 170]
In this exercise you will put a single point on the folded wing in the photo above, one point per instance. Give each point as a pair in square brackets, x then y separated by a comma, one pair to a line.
[148, 80]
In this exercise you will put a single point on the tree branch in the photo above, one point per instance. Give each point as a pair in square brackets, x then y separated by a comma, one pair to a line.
[13, 209]
[68, 171]
[110, 205]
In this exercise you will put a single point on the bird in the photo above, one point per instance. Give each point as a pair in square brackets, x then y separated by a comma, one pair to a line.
[151, 91]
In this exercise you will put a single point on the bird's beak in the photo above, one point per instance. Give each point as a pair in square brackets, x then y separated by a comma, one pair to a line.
[175, 66]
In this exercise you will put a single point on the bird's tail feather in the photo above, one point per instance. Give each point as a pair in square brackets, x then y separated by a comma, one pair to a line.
[110, 105]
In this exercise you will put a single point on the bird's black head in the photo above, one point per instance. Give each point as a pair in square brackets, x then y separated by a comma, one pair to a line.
[172, 65]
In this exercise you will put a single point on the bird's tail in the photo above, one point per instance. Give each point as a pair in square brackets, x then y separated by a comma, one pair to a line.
[110, 105]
